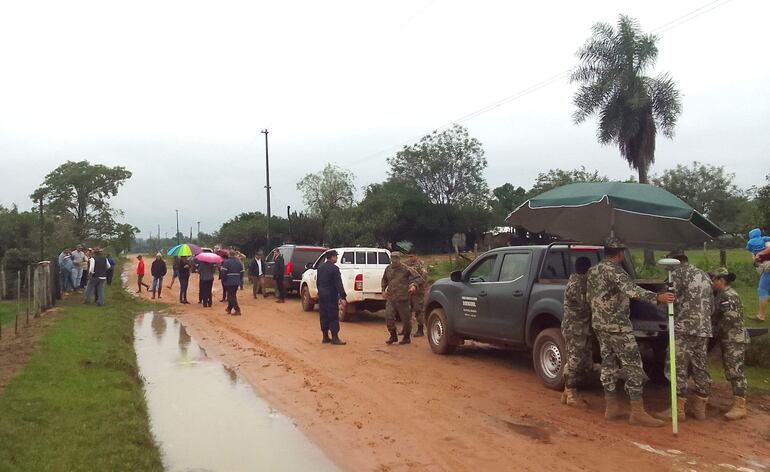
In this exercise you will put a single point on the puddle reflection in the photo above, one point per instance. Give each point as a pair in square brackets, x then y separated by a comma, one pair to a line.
[204, 417]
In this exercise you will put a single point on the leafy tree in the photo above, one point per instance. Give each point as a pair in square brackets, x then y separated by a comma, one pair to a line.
[392, 211]
[326, 191]
[557, 177]
[247, 232]
[80, 190]
[630, 105]
[505, 199]
[447, 166]
[707, 188]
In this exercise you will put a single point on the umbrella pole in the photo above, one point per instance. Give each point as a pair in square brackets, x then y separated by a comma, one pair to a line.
[672, 362]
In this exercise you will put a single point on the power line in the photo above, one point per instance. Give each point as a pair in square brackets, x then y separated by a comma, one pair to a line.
[676, 22]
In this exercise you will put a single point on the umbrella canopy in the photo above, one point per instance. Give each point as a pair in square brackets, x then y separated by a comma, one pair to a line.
[209, 257]
[222, 253]
[640, 215]
[184, 250]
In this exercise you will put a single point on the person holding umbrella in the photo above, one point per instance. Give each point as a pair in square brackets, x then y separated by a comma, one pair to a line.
[183, 270]
[232, 273]
[609, 292]
[204, 262]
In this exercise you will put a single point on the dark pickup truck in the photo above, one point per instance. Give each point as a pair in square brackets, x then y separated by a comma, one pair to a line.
[513, 297]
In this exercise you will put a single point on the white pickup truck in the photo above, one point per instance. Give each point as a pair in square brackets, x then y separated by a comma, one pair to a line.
[361, 269]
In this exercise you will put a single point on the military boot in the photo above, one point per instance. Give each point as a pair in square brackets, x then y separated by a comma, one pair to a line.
[407, 339]
[419, 332]
[570, 397]
[681, 415]
[393, 337]
[699, 407]
[613, 410]
[326, 338]
[337, 341]
[738, 411]
[639, 417]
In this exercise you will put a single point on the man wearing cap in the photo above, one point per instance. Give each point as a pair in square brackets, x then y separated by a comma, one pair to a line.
[692, 328]
[331, 298]
[257, 275]
[158, 270]
[609, 291]
[398, 282]
[97, 270]
[731, 334]
[417, 299]
[78, 260]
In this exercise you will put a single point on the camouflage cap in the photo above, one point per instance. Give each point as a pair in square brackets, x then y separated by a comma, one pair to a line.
[613, 242]
[675, 254]
[719, 271]
[396, 255]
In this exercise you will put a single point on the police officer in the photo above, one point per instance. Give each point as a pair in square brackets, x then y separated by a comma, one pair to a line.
[609, 291]
[731, 334]
[576, 330]
[692, 326]
[331, 295]
[398, 282]
[417, 299]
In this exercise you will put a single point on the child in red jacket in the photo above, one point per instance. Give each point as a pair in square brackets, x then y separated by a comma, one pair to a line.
[140, 274]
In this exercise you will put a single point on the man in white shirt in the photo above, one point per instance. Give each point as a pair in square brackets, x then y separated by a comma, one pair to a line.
[78, 259]
[97, 268]
[257, 275]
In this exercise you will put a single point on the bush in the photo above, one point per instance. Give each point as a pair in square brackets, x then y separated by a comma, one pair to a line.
[758, 352]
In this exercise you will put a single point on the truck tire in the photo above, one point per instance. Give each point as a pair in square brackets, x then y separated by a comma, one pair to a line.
[440, 337]
[307, 302]
[549, 355]
[349, 312]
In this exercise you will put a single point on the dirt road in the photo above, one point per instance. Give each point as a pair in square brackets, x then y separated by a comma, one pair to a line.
[374, 407]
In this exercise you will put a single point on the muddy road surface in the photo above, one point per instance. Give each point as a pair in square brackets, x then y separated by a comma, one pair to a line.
[373, 407]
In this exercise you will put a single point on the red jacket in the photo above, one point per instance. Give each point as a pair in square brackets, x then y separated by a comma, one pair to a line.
[140, 268]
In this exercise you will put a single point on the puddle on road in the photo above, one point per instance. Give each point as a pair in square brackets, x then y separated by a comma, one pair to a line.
[204, 417]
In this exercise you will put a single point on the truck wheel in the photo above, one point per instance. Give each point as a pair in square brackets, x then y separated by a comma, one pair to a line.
[307, 303]
[439, 334]
[549, 356]
[349, 312]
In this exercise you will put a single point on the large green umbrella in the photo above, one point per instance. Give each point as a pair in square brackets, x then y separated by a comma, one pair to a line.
[640, 215]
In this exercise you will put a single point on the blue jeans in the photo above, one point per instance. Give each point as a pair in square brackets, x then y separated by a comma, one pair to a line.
[65, 279]
[763, 290]
[157, 284]
[97, 285]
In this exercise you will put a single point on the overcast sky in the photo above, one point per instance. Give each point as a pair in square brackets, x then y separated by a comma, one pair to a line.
[178, 91]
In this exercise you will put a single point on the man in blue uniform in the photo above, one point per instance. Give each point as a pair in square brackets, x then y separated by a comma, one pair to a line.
[331, 294]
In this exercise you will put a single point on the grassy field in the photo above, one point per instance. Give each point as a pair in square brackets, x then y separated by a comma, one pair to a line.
[8, 313]
[79, 404]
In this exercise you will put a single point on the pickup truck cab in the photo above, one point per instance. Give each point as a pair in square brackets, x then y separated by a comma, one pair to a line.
[361, 269]
[513, 297]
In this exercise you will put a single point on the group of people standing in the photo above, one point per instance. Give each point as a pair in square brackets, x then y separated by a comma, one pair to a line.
[597, 300]
[403, 286]
[88, 270]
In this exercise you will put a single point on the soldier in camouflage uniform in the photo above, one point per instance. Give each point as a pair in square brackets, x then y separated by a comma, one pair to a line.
[692, 328]
[576, 330]
[731, 334]
[417, 299]
[398, 282]
[610, 290]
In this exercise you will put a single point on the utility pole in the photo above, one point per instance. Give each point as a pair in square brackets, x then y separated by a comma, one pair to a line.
[191, 234]
[177, 227]
[42, 230]
[267, 181]
[199, 232]
[158, 237]
[288, 219]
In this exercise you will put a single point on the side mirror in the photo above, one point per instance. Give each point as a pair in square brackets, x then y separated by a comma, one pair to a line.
[309, 265]
[456, 276]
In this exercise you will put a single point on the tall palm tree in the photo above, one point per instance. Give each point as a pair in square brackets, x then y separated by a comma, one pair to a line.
[631, 106]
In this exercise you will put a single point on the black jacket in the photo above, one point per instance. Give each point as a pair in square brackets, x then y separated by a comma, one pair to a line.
[158, 268]
[254, 268]
[231, 272]
[329, 282]
[279, 268]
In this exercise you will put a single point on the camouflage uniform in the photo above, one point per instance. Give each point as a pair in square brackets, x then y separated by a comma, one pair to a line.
[692, 327]
[609, 291]
[576, 330]
[417, 299]
[729, 329]
[397, 279]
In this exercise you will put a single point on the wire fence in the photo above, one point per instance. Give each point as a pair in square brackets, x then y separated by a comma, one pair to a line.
[34, 288]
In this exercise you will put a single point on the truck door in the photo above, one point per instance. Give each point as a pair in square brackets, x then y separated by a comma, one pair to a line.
[508, 298]
[474, 299]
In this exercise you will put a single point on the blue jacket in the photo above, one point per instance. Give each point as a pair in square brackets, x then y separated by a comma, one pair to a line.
[231, 272]
[756, 241]
[329, 282]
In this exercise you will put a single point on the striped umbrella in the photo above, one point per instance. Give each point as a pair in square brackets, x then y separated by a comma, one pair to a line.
[184, 250]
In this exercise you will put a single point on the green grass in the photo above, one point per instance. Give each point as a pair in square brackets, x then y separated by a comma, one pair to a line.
[8, 313]
[79, 403]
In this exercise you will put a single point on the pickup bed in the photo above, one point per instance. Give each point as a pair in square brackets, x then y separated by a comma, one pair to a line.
[513, 297]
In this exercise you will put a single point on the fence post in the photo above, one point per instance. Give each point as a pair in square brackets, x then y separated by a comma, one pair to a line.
[29, 293]
[722, 258]
[18, 302]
